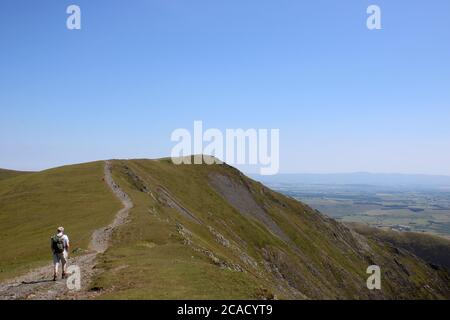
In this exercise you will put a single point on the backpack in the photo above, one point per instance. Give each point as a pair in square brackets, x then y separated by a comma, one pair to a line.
[57, 244]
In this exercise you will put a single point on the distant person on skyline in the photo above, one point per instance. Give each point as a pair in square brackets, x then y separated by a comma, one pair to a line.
[60, 249]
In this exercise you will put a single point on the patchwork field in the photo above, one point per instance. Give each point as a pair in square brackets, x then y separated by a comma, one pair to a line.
[424, 210]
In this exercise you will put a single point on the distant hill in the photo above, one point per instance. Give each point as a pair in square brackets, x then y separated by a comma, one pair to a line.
[360, 178]
[433, 249]
[202, 232]
[6, 174]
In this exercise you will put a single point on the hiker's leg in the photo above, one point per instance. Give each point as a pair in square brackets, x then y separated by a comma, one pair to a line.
[64, 266]
[55, 269]
[64, 263]
[55, 265]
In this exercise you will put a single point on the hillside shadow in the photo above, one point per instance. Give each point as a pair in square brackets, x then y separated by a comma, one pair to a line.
[36, 282]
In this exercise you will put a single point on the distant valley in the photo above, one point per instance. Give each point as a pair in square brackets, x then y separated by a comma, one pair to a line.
[418, 203]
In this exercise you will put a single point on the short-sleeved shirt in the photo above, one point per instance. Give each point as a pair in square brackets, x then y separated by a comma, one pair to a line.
[65, 240]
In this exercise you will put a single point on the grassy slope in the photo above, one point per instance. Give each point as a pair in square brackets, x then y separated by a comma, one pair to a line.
[324, 259]
[149, 260]
[33, 205]
[433, 249]
[7, 174]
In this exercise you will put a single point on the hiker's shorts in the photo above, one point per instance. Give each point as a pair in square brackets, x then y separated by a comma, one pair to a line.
[60, 258]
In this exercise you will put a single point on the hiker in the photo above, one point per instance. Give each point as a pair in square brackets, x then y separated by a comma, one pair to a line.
[60, 249]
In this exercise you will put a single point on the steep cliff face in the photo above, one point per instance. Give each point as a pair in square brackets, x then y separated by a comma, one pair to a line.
[200, 231]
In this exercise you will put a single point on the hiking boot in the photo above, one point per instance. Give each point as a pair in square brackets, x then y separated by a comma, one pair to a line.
[54, 277]
[63, 275]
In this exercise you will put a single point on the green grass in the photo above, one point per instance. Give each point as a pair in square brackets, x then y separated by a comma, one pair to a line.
[32, 206]
[170, 271]
[429, 247]
[7, 174]
[148, 259]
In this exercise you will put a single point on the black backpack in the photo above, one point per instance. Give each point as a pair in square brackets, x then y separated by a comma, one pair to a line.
[57, 244]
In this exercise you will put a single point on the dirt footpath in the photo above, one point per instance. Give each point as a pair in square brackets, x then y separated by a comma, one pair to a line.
[38, 285]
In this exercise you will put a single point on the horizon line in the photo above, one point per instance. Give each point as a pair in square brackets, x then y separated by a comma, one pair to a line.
[244, 171]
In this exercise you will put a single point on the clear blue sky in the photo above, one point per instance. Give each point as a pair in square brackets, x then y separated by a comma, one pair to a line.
[345, 98]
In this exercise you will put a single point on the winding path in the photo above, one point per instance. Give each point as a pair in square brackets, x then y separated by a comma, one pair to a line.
[37, 284]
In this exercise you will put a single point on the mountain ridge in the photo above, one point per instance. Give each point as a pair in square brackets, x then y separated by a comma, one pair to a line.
[194, 225]
[7, 174]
